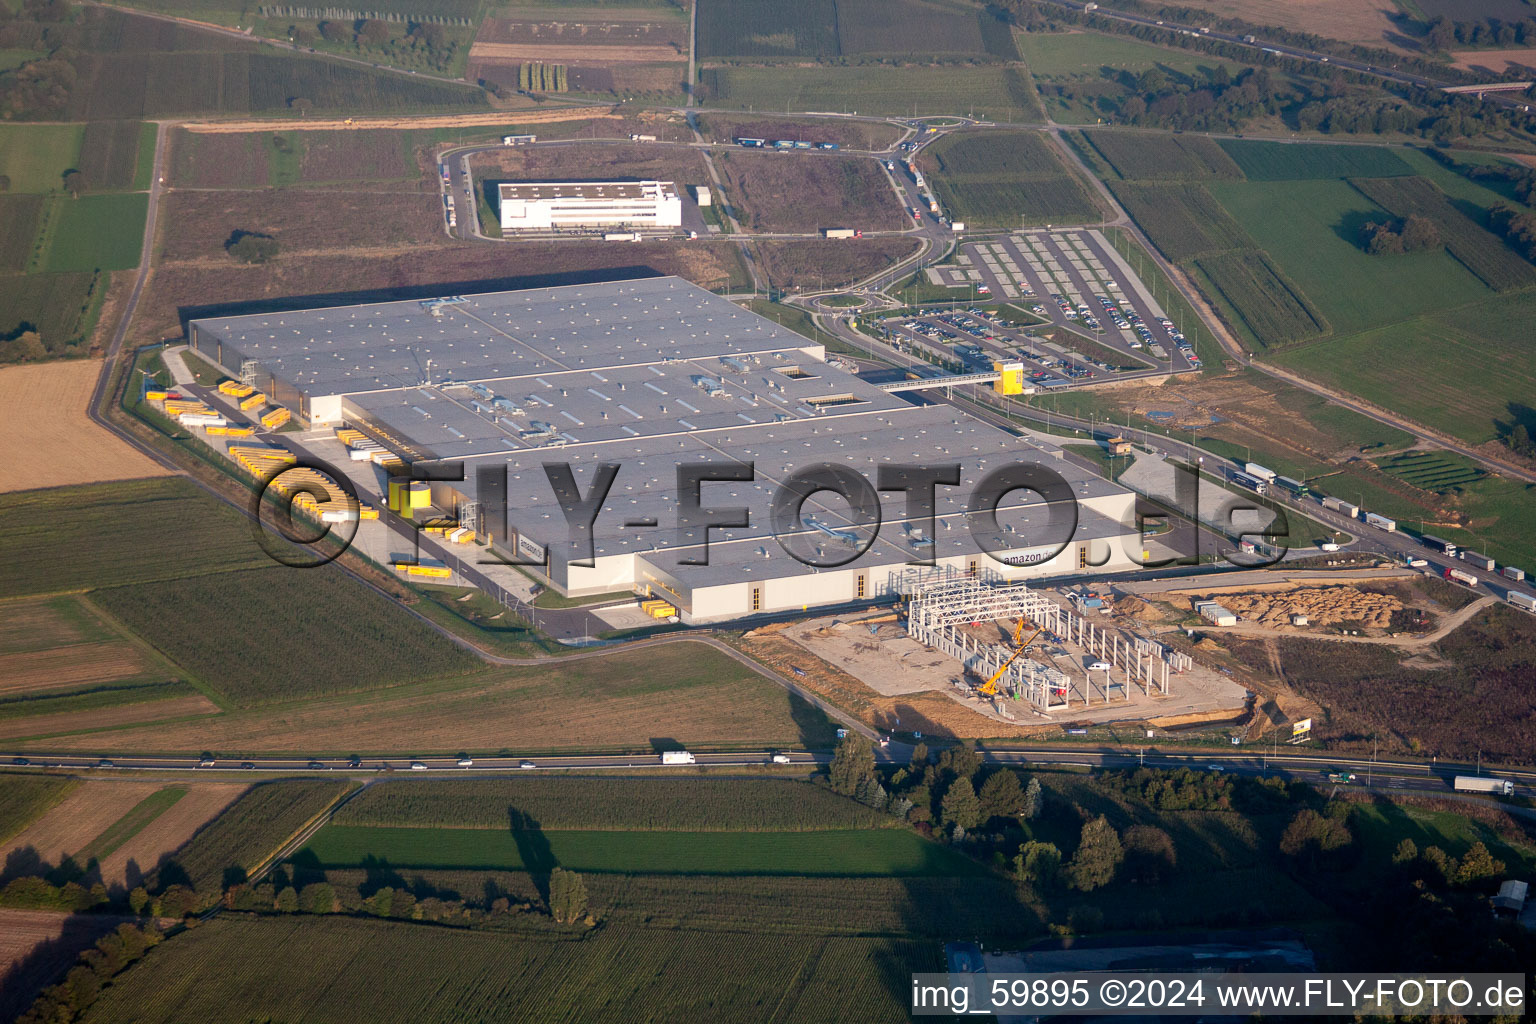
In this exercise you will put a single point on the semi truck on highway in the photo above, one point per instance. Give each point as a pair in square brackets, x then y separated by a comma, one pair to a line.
[1340, 505]
[1523, 601]
[1483, 562]
[1253, 483]
[1439, 544]
[1478, 784]
[1381, 522]
[1261, 472]
[1466, 579]
[676, 757]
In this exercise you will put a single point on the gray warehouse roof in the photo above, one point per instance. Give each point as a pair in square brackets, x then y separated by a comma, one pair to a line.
[387, 345]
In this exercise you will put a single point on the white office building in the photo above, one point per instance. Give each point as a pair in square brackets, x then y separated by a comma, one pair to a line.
[577, 205]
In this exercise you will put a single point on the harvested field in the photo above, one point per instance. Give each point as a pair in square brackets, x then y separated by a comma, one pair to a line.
[846, 133]
[120, 716]
[198, 224]
[599, 161]
[349, 156]
[51, 442]
[592, 36]
[35, 948]
[686, 692]
[61, 667]
[168, 832]
[1354, 21]
[80, 817]
[1494, 60]
[776, 192]
[204, 160]
[419, 271]
[829, 263]
[43, 624]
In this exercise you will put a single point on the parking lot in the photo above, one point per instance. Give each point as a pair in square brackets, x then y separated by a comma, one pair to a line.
[978, 336]
[1076, 281]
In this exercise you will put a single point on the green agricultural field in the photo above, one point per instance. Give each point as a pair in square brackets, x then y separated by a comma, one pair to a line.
[825, 29]
[61, 307]
[1300, 161]
[25, 797]
[251, 830]
[116, 534]
[1311, 231]
[96, 232]
[401, 973]
[1477, 248]
[570, 802]
[854, 852]
[19, 217]
[1273, 310]
[1074, 54]
[295, 635]
[768, 28]
[1480, 358]
[1183, 221]
[35, 156]
[1438, 471]
[1001, 181]
[145, 84]
[1148, 156]
[989, 91]
[110, 153]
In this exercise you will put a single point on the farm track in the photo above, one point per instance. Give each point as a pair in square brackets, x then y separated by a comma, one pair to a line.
[582, 113]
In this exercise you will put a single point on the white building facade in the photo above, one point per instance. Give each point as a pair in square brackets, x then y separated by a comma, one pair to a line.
[575, 205]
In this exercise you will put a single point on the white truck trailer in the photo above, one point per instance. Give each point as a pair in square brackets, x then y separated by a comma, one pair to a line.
[676, 757]
[1340, 505]
[1478, 784]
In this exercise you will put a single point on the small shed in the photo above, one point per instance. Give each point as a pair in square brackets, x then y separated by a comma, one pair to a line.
[1299, 619]
[1118, 446]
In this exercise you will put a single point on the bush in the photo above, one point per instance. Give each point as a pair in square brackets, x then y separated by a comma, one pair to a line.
[248, 247]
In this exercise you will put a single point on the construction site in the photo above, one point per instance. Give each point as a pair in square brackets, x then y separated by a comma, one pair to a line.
[1020, 655]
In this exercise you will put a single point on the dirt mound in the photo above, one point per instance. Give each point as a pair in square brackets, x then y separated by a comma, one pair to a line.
[1136, 608]
[1323, 606]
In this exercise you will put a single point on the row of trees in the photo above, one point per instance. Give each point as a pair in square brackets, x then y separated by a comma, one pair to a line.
[112, 954]
[422, 42]
[1443, 34]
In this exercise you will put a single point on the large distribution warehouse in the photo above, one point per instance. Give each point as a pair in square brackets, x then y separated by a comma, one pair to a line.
[545, 206]
[649, 376]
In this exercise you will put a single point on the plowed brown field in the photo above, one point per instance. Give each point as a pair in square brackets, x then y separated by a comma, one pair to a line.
[76, 665]
[48, 438]
[169, 832]
[120, 716]
[80, 817]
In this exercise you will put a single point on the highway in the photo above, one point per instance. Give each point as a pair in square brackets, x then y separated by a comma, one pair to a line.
[1392, 776]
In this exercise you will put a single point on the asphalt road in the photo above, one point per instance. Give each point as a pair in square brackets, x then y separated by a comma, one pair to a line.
[1408, 777]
